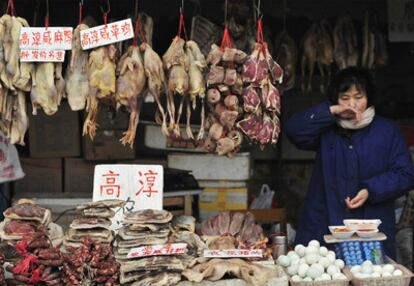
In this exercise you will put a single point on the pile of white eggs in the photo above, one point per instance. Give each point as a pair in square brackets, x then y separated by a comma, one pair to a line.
[368, 270]
[312, 263]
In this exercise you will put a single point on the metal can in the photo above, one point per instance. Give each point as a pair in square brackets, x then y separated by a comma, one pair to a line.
[279, 246]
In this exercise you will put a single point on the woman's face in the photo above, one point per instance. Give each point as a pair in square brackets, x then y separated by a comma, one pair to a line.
[353, 98]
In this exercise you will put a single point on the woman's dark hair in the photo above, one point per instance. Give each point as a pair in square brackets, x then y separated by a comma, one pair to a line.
[344, 79]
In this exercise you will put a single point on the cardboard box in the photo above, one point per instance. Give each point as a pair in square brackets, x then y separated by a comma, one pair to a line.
[42, 176]
[55, 136]
[78, 176]
[106, 146]
[214, 200]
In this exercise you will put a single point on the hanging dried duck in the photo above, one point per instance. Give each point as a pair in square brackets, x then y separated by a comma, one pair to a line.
[77, 82]
[130, 85]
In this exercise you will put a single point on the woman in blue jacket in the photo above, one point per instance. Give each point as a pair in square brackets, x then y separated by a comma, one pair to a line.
[362, 162]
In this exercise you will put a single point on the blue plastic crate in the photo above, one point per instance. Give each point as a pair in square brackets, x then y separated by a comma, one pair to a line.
[356, 252]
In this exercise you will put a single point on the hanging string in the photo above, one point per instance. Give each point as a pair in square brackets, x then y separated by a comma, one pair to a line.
[47, 15]
[226, 41]
[139, 33]
[10, 8]
[105, 13]
[80, 11]
[181, 26]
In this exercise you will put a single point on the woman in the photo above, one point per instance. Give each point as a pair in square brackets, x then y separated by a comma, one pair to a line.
[362, 163]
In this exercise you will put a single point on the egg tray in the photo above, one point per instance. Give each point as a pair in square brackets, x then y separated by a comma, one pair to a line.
[354, 252]
[322, 283]
[403, 280]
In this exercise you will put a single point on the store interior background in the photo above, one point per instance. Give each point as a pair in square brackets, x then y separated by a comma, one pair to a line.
[56, 143]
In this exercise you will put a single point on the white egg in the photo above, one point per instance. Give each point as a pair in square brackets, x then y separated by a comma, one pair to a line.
[324, 261]
[366, 262]
[313, 272]
[283, 260]
[331, 257]
[319, 267]
[332, 269]
[375, 275]
[292, 270]
[300, 250]
[302, 260]
[330, 252]
[339, 263]
[307, 279]
[311, 250]
[366, 269]
[388, 268]
[325, 277]
[294, 258]
[361, 275]
[314, 243]
[302, 270]
[296, 278]
[339, 276]
[311, 258]
[397, 272]
[356, 269]
[377, 269]
[386, 274]
[323, 251]
[295, 262]
[291, 253]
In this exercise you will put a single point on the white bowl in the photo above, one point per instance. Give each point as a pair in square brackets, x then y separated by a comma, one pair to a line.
[367, 234]
[358, 224]
[340, 234]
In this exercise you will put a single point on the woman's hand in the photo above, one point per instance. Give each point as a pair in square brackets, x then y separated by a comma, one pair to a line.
[358, 200]
[345, 112]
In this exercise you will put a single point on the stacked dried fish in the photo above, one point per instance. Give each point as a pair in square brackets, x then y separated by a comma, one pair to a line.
[183, 228]
[15, 80]
[225, 86]
[95, 222]
[146, 228]
[261, 99]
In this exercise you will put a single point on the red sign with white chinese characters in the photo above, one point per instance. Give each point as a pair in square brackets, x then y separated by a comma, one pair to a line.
[42, 38]
[141, 186]
[234, 253]
[151, 250]
[107, 34]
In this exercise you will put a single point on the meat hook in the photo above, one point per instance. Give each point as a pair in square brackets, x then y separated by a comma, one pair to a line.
[108, 6]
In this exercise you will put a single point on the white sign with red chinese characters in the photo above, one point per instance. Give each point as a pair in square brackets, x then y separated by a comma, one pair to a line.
[107, 34]
[233, 253]
[42, 38]
[141, 186]
[41, 56]
[151, 250]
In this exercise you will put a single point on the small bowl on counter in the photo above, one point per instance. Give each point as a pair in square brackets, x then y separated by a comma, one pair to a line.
[365, 224]
[367, 233]
[341, 231]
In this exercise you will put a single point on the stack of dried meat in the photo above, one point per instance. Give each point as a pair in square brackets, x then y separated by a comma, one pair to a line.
[225, 86]
[261, 99]
[40, 261]
[146, 228]
[91, 263]
[95, 222]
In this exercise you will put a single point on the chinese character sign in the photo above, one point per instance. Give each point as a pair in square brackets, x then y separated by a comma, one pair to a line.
[42, 38]
[107, 34]
[151, 250]
[42, 56]
[234, 253]
[141, 186]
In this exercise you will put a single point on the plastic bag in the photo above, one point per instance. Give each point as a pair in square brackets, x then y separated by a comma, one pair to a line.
[10, 169]
[265, 199]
